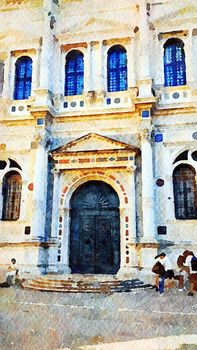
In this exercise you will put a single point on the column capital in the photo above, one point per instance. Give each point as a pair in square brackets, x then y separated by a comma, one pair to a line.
[130, 169]
[145, 134]
[55, 172]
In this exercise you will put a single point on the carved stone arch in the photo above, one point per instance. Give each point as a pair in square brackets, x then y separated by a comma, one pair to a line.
[70, 187]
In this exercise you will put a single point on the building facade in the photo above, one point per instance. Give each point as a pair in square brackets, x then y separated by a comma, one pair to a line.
[98, 125]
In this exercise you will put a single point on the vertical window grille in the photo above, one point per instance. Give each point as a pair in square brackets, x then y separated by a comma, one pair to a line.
[1, 77]
[174, 63]
[74, 73]
[117, 69]
[185, 196]
[11, 190]
[23, 78]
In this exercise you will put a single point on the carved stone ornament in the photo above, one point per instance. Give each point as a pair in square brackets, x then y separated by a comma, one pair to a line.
[146, 134]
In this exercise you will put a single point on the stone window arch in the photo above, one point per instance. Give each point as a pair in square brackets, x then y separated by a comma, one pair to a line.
[185, 192]
[11, 191]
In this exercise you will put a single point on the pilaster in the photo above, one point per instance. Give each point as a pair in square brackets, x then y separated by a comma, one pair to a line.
[148, 216]
[40, 187]
[144, 82]
[97, 66]
[56, 200]
[1, 198]
[131, 64]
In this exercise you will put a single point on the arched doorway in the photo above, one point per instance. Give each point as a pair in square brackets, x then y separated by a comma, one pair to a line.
[95, 229]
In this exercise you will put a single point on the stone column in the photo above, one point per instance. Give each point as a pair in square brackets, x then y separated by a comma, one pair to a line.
[45, 62]
[132, 196]
[66, 240]
[88, 69]
[1, 198]
[9, 87]
[189, 58]
[57, 74]
[39, 196]
[144, 71]
[148, 216]
[131, 64]
[55, 207]
[144, 82]
[46, 59]
[53, 249]
[7, 76]
[97, 66]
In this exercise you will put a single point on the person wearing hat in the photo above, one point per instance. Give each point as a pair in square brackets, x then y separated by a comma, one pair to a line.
[167, 272]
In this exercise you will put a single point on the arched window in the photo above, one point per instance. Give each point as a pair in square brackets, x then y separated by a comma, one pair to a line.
[74, 73]
[185, 196]
[11, 191]
[174, 63]
[117, 69]
[23, 78]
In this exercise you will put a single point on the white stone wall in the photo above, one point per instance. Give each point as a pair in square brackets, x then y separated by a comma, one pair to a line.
[47, 32]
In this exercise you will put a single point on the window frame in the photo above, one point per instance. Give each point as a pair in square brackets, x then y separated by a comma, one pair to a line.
[76, 75]
[26, 92]
[11, 203]
[177, 67]
[117, 70]
[182, 202]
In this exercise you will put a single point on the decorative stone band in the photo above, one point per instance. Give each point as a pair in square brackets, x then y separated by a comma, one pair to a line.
[67, 47]
[144, 245]
[29, 244]
[138, 247]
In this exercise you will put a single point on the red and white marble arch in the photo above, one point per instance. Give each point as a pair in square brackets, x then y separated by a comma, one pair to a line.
[95, 175]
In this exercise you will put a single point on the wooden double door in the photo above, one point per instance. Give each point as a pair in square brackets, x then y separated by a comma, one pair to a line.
[95, 239]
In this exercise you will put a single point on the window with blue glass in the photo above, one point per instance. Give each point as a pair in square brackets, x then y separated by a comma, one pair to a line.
[174, 63]
[117, 69]
[74, 73]
[23, 78]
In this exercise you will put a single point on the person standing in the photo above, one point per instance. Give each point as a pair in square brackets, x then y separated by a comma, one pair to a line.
[169, 273]
[191, 263]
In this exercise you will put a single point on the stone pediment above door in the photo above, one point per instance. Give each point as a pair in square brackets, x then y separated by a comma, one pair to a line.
[94, 142]
[92, 150]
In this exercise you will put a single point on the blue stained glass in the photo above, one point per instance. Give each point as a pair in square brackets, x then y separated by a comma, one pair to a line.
[174, 63]
[74, 73]
[23, 78]
[117, 69]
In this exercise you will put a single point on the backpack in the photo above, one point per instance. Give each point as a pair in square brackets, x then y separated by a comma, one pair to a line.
[180, 261]
[159, 269]
[194, 263]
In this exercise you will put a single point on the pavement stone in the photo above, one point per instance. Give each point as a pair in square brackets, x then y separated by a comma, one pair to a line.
[33, 320]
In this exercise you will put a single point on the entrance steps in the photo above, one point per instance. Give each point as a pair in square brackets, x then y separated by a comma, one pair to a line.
[83, 284]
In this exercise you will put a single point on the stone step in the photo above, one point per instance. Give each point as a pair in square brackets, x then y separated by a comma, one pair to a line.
[73, 286]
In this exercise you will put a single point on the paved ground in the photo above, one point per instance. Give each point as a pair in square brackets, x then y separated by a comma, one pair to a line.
[49, 321]
[181, 342]
[39, 320]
